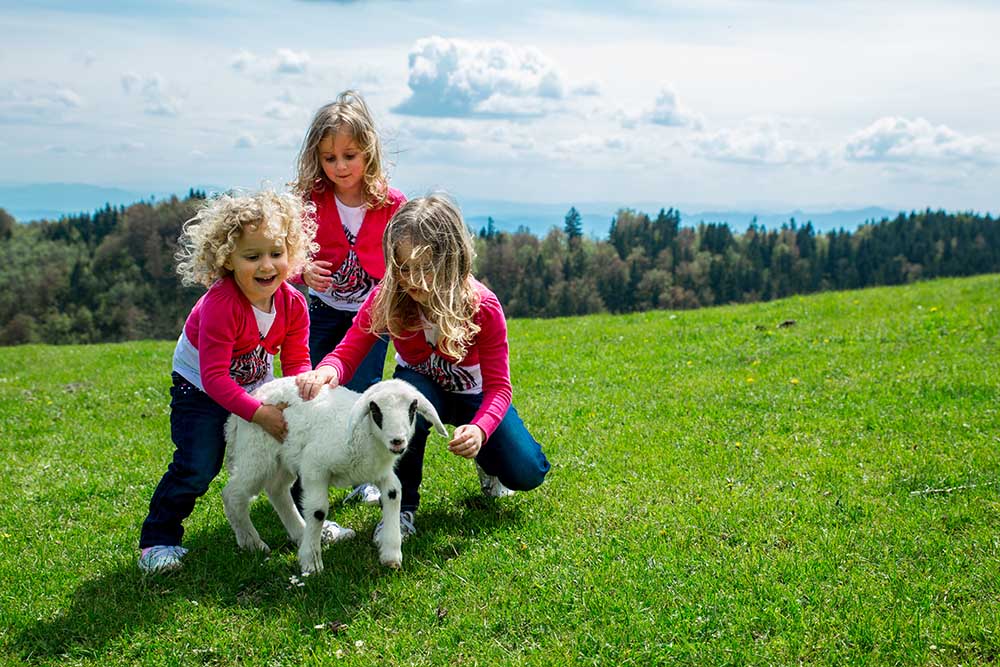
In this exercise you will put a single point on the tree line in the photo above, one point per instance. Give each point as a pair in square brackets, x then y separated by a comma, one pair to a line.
[109, 275]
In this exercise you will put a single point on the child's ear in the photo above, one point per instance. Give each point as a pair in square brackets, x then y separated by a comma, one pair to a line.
[228, 264]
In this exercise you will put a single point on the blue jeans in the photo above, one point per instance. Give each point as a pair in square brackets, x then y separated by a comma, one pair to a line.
[511, 453]
[327, 327]
[197, 427]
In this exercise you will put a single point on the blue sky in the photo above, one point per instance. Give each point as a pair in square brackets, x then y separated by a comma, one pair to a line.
[704, 105]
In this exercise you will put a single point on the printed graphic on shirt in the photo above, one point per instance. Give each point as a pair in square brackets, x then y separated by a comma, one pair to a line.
[449, 376]
[251, 367]
[351, 283]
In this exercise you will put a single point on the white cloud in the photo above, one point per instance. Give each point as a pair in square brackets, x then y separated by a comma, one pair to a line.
[453, 77]
[290, 62]
[434, 131]
[895, 139]
[281, 110]
[668, 111]
[37, 100]
[243, 60]
[755, 142]
[158, 96]
[586, 145]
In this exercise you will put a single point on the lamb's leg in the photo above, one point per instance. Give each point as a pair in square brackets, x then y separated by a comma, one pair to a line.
[390, 551]
[279, 492]
[236, 497]
[315, 507]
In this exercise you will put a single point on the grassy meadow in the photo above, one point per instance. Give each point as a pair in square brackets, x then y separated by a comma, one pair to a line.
[725, 490]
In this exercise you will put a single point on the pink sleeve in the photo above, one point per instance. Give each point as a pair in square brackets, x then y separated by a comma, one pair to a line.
[494, 362]
[356, 344]
[295, 347]
[216, 339]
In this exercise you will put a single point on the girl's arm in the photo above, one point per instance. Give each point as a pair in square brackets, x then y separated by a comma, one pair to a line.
[494, 362]
[295, 347]
[216, 339]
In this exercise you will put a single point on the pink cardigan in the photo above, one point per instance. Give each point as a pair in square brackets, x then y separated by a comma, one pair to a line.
[222, 326]
[489, 349]
[333, 246]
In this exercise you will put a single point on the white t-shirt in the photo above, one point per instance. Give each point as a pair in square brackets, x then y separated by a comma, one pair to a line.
[351, 283]
[249, 370]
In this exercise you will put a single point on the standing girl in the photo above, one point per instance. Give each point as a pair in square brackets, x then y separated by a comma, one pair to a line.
[340, 171]
[450, 337]
[242, 248]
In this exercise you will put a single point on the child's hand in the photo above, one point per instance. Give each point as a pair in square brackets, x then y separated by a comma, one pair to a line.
[270, 418]
[317, 275]
[467, 441]
[310, 382]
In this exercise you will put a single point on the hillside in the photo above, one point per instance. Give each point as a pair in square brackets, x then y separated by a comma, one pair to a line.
[809, 480]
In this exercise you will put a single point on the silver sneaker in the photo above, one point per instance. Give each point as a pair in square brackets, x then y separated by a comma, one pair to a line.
[334, 532]
[406, 526]
[367, 493]
[161, 558]
[491, 485]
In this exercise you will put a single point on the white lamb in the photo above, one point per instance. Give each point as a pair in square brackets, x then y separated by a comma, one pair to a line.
[340, 438]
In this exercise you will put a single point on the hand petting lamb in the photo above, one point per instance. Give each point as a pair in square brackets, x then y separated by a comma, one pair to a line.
[340, 438]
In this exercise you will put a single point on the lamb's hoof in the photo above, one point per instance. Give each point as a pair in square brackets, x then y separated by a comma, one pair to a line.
[311, 564]
[255, 545]
[395, 561]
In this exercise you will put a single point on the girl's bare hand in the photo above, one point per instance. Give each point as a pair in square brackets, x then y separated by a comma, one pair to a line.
[467, 441]
[310, 382]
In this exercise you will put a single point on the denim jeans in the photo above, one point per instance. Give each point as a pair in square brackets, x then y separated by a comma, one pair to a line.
[511, 453]
[327, 327]
[197, 427]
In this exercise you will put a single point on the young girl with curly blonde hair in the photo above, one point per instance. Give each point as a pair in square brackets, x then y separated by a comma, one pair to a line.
[450, 337]
[341, 171]
[242, 248]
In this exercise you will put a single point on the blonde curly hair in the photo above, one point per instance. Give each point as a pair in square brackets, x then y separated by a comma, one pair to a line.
[209, 238]
[441, 248]
[350, 114]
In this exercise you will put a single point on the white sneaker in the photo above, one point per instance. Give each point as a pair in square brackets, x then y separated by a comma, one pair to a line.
[334, 532]
[367, 493]
[491, 485]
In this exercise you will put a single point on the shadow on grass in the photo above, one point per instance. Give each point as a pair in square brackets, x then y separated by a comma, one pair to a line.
[124, 602]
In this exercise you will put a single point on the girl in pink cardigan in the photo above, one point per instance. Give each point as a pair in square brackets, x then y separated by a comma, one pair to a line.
[242, 249]
[340, 170]
[450, 337]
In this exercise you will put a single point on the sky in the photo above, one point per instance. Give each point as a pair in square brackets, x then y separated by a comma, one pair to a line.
[708, 104]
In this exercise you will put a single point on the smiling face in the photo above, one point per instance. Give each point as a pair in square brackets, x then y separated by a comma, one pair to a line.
[344, 163]
[259, 265]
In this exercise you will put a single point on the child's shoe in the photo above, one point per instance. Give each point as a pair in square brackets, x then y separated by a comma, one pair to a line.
[406, 526]
[491, 485]
[367, 493]
[334, 532]
[161, 558]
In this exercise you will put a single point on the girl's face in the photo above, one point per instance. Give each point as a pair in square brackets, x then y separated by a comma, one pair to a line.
[344, 164]
[413, 273]
[259, 265]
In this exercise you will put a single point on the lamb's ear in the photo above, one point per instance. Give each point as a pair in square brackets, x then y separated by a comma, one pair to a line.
[358, 412]
[425, 408]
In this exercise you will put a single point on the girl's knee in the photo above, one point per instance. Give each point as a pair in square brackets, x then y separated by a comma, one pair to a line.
[525, 477]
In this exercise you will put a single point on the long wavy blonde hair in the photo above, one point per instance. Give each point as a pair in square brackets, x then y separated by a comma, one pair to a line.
[209, 238]
[350, 114]
[441, 250]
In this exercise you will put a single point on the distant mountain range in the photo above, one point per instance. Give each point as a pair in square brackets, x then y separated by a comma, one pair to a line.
[54, 200]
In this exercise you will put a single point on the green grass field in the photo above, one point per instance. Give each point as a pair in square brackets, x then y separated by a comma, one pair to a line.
[724, 490]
